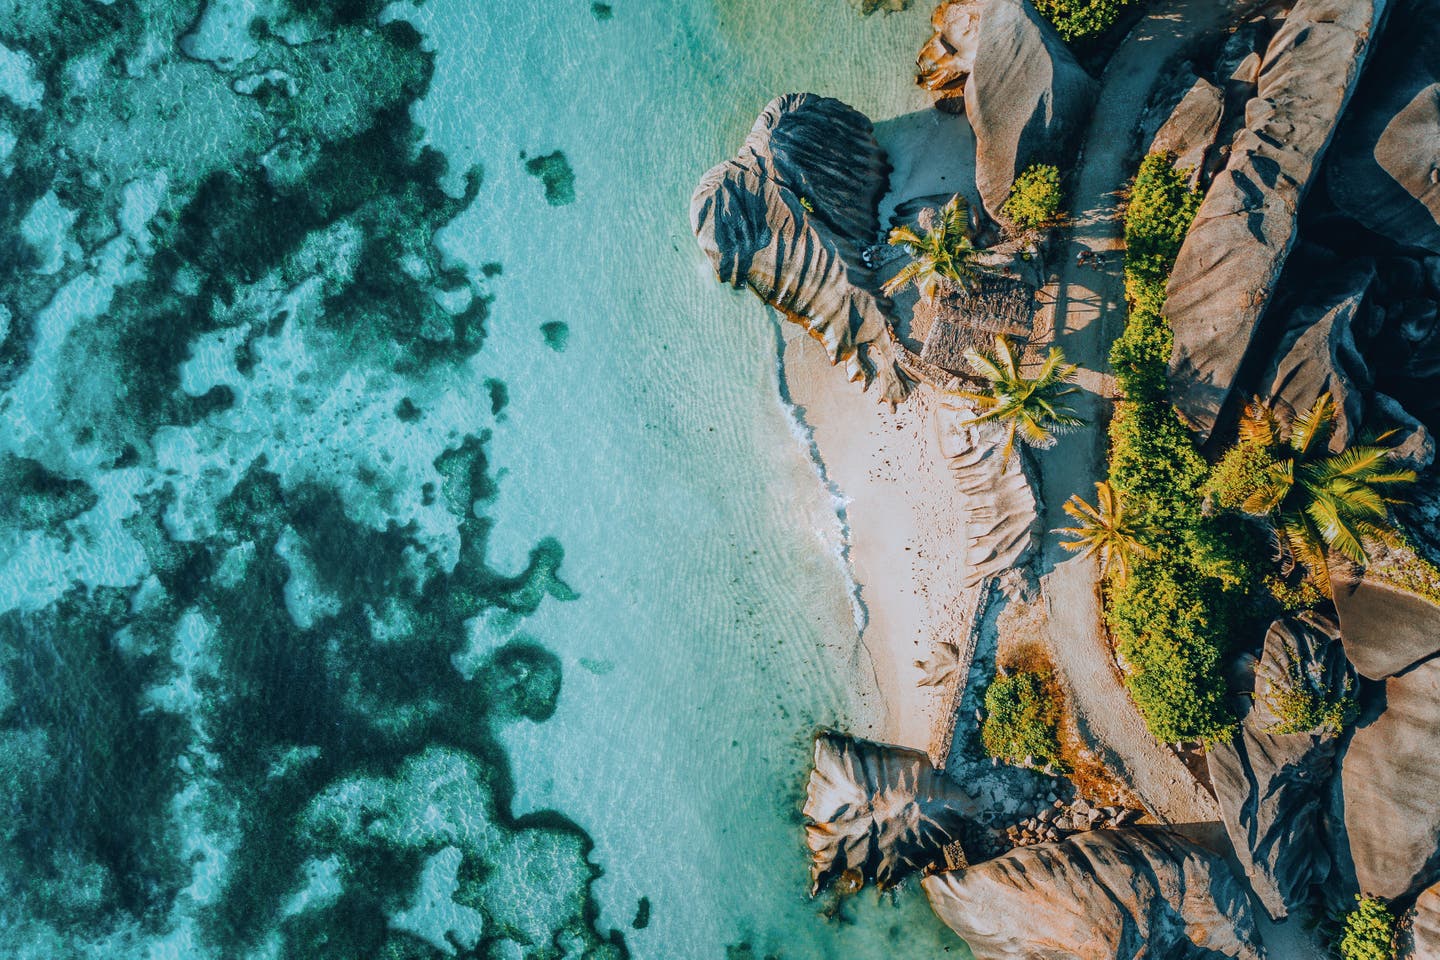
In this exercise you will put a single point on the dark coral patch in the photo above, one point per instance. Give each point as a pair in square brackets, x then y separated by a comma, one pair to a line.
[553, 170]
[556, 334]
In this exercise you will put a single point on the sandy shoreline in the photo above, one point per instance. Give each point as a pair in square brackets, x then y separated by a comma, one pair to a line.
[906, 528]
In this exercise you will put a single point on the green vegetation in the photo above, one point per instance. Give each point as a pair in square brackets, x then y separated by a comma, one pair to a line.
[1077, 19]
[1034, 409]
[1034, 201]
[1316, 503]
[1022, 717]
[1184, 597]
[1366, 932]
[943, 253]
[1106, 529]
[1307, 702]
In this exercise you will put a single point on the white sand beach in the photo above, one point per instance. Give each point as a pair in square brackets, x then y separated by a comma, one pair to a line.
[906, 527]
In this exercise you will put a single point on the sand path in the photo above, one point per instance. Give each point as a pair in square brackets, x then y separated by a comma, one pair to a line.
[1086, 307]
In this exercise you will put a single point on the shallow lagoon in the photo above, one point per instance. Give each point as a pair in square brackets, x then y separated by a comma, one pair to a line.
[363, 590]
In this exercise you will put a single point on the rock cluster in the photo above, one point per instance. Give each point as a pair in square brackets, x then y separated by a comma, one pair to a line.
[1101, 895]
[877, 812]
[1024, 93]
[1060, 820]
[1197, 111]
[788, 217]
[1384, 170]
[1232, 258]
[1271, 787]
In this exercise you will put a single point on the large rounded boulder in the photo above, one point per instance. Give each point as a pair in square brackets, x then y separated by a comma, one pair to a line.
[1390, 780]
[877, 812]
[1101, 895]
[788, 218]
[1025, 94]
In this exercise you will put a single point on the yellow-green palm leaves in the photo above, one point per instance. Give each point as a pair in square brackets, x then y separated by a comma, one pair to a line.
[943, 252]
[1106, 530]
[1318, 502]
[1033, 409]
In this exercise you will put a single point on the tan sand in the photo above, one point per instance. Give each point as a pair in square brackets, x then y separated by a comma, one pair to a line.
[906, 529]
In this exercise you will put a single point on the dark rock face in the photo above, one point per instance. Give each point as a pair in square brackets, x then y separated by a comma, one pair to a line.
[1420, 935]
[1271, 786]
[1232, 258]
[1102, 895]
[1403, 333]
[1318, 353]
[788, 218]
[1386, 630]
[1385, 169]
[878, 810]
[1025, 94]
[1389, 781]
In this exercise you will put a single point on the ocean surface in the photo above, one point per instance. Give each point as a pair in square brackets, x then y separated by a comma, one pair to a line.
[404, 549]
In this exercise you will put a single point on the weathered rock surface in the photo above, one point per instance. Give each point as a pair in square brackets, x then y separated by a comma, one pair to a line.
[1420, 934]
[1386, 630]
[1318, 353]
[1191, 127]
[1002, 511]
[1271, 787]
[751, 218]
[1390, 778]
[1233, 256]
[1024, 93]
[1107, 894]
[1385, 168]
[880, 811]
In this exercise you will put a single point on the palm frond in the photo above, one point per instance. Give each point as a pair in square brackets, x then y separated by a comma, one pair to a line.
[907, 273]
[1312, 428]
[1258, 424]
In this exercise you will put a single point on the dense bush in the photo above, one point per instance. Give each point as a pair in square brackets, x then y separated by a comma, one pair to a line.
[1034, 200]
[1075, 19]
[1162, 206]
[1239, 474]
[1173, 618]
[1022, 716]
[1366, 932]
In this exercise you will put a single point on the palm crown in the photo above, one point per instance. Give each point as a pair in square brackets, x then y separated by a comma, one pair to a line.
[942, 253]
[1106, 529]
[1317, 501]
[1034, 409]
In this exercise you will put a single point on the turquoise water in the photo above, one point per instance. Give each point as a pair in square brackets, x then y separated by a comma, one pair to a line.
[405, 550]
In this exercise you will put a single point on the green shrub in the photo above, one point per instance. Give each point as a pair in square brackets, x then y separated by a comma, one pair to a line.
[1306, 703]
[1034, 200]
[1239, 474]
[1022, 716]
[1366, 932]
[1075, 19]
[1173, 620]
[1161, 208]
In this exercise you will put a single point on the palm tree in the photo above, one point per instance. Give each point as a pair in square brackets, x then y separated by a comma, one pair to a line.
[1107, 529]
[1317, 502]
[942, 253]
[1032, 408]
